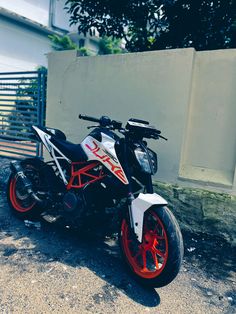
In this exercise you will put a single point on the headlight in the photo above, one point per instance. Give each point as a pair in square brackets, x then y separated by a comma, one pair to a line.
[147, 160]
[143, 160]
[153, 159]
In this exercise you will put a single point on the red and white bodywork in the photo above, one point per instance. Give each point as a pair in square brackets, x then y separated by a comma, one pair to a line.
[104, 152]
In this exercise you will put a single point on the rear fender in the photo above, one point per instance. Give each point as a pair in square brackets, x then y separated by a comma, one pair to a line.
[138, 207]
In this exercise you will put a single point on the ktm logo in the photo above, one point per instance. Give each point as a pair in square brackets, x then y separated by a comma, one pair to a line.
[103, 156]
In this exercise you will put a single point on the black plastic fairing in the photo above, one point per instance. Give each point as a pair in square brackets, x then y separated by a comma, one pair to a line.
[97, 134]
[72, 151]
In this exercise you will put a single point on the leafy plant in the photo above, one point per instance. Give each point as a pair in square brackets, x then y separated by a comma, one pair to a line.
[65, 43]
[108, 45]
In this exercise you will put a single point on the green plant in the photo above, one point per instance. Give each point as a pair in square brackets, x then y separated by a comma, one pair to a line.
[106, 45]
[62, 43]
[65, 43]
[109, 45]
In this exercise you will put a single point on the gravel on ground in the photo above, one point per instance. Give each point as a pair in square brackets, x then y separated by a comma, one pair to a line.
[53, 270]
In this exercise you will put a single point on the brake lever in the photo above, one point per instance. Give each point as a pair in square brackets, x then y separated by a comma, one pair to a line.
[92, 126]
[164, 138]
[122, 130]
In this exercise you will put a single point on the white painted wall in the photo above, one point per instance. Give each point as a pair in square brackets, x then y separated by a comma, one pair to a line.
[21, 49]
[210, 142]
[61, 18]
[190, 96]
[37, 11]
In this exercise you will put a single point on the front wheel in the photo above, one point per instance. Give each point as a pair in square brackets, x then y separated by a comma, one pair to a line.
[156, 261]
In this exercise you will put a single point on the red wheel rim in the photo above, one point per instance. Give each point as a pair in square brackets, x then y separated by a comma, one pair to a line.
[16, 202]
[147, 259]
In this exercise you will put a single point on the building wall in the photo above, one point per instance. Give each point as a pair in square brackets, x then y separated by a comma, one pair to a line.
[22, 49]
[37, 11]
[188, 95]
[210, 141]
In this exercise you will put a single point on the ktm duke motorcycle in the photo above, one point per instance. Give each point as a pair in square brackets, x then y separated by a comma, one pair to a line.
[104, 172]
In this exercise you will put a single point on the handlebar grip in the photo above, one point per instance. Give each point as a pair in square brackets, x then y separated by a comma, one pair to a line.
[92, 119]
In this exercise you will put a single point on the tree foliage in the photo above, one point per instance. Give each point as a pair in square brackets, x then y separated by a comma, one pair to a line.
[159, 24]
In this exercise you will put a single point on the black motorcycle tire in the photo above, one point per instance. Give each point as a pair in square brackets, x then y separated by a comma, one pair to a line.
[161, 270]
[23, 205]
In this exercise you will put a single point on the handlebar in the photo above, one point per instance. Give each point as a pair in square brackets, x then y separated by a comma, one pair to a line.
[105, 121]
[88, 118]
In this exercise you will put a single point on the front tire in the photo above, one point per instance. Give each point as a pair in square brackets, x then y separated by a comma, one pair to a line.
[157, 260]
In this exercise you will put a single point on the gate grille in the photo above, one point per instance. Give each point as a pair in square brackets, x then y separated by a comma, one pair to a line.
[22, 104]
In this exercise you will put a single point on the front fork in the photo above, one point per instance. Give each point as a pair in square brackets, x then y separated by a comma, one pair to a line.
[136, 216]
[131, 198]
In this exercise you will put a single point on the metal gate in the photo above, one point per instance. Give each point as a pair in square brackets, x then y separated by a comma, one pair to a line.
[22, 104]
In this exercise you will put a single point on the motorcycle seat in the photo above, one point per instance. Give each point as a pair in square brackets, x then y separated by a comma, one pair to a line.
[53, 132]
[57, 133]
[72, 151]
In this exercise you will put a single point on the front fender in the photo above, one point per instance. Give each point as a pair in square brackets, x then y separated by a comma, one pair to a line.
[138, 207]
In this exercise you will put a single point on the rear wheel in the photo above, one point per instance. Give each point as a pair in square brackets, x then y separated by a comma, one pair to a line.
[21, 203]
[157, 260]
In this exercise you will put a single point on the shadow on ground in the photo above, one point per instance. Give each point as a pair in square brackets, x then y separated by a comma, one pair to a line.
[213, 256]
[52, 243]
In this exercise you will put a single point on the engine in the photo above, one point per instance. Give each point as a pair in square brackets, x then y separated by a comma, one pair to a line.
[91, 202]
[72, 202]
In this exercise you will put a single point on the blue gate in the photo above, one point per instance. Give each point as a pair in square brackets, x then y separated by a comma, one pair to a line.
[22, 104]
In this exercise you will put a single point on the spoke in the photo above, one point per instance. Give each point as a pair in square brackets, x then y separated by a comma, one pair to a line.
[137, 255]
[144, 258]
[158, 252]
[156, 227]
[155, 258]
[160, 229]
[159, 237]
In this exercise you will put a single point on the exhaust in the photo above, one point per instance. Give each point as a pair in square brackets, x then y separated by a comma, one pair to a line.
[18, 170]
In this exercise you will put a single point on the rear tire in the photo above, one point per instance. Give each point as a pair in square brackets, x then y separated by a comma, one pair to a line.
[157, 260]
[22, 204]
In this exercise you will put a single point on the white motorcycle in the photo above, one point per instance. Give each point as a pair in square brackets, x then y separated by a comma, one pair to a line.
[105, 171]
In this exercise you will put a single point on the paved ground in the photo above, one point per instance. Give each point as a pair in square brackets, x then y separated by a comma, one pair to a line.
[56, 271]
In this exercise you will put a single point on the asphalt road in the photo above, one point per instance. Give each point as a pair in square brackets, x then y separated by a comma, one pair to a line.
[53, 270]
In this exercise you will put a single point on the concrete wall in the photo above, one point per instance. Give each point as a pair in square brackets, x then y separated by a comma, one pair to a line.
[209, 153]
[188, 95]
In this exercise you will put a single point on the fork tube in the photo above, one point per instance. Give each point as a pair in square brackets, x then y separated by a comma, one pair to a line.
[149, 185]
[130, 196]
[126, 167]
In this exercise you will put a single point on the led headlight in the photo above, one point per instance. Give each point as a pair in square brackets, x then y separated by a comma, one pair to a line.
[143, 160]
[153, 160]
